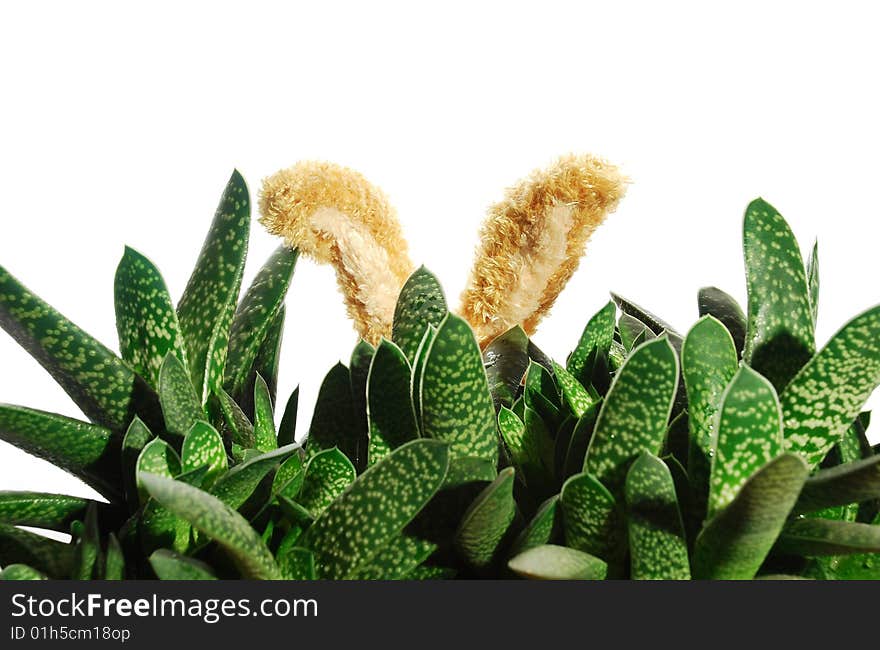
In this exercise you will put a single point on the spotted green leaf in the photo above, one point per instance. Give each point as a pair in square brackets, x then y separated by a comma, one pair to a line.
[826, 396]
[169, 565]
[21, 572]
[334, 422]
[818, 537]
[842, 485]
[237, 485]
[268, 361]
[48, 556]
[456, 404]
[181, 407]
[714, 302]
[208, 304]
[595, 339]
[234, 423]
[749, 435]
[86, 546]
[635, 413]
[255, 316]
[418, 365]
[486, 521]
[542, 529]
[375, 509]
[114, 560]
[392, 419]
[655, 325]
[579, 441]
[218, 521]
[469, 469]
[289, 477]
[657, 544]
[136, 438]
[297, 564]
[203, 446]
[421, 303]
[145, 317]
[813, 281]
[550, 562]
[157, 457]
[265, 437]
[506, 360]
[101, 384]
[574, 395]
[780, 337]
[84, 450]
[632, 331]
[530, 446]
[591, 521]
[159, 527]
[397, 559]
[42, 510]
[735, 542]
[328, 474]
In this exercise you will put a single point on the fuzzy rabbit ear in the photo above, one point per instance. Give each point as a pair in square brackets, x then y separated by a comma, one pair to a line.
[334, 215]
[532, 241]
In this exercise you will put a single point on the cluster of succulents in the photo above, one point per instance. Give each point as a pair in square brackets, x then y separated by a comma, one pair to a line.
[735, 451]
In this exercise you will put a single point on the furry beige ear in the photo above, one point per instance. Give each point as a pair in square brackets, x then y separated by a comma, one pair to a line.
[334, 215]
[532, 241]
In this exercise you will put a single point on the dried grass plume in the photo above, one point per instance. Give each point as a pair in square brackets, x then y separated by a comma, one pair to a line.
[334, 215]
[532, 241]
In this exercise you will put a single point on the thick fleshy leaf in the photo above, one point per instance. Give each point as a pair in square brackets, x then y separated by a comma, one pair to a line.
[456, 405]
[21, 572]
[255, 317]
[297, 564]
[181, 407]
[821, 402]
[208, 304]
[506, 360]
[136, 438]
[656, 326]
[591, 520]
[145, 317]
[359, 371]
[815, 537]
[287, 428]
[657, 544]
[842, 485]
[45, 555]
[397, 559]
[42, 510]
[574, 394]
[114, 560]
[88, 451]
[378, 505]
[542, 529]
[392, 418]
[635, 413]
[236, 486]
[265, 437]
[579, 442]
[595, 340]
[632, 331]
[101, 384]
[169, 565]
[159, 527]
[203, 446]
[780, 337]
[87, 546]
[749, 436]
[234, 422]
[289, 477]
[469, 469]
[486, 522]
[714, 302]
[421, 302]
[530, 446]
[549, 562]
[157, 457]
[418, 365]
[334, 423]
[813, 281]
[735, 542]
[328, 474]
[268, 361]
[218, 521]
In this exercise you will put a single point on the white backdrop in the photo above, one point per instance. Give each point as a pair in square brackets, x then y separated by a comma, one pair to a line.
[121, 125]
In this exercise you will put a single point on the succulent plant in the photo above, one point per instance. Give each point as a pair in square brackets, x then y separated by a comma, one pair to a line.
[733, 452]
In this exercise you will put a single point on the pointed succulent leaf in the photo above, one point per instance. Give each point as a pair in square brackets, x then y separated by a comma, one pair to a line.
[813, 281]
[394, 562]
[574, 394]
[233, 420]
[359, 370]
[114, 560]
[392, 419]
[334, 423]
[203, 446]
[542, 529]
[157, 457]
[181, 406]
[378, 505]
[255, 316]
[456, 404]
[265, 438]
[21, 572]
[48, 556]
[735, 542]
[539, 384]
[842, 485]
[817, 537]
[218, 521]
[821, 402]
[506, 360]
[101, 384]
[87, 451]
[297, 564]
[657, 544]
[328, 474]
[469, 469]
[635, 413]
[780, 337]
[287, 428]
[749, 436]
[714, 302]
[632, 331]
[655, 325]
[208, 304]
[267, 363]
[236, 486]
[169, 565]
[485, 523]
[289, 477]
[579, 442]
[595, 340]
[550, 562]
[591, 520]
[418, 366]
[43, 510]
[145, 317]
[136, 438]
[87, 548]
[421, 302]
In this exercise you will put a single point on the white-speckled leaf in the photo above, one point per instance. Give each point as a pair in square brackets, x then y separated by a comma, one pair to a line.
[265, 437]
[596, 338]
[574, 394]
[328, 474]
[390, 412]
[181, 406]
[397, 559]
[486, 521]
[203, 446]
[421, 303]
[157, 457]
[550, 562]
[240, 482]
[591, 520]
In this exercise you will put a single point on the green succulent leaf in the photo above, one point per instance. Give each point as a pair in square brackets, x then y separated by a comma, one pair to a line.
[813, 281]
[114, 560]
[456, 404]
[265, 437]
[379, 504]
[157, 457]
[826, 396]
[542, 529]
[42, 510]
[469, 469]
[359, 371]
[579, 442]
[236, 486]
[145, 317]
[169, 565]
[392, 418]
[842, 485]
[591, 521]
[287, 428]
[550, 562]
[714, 302]
[289, 477]
[208, 304]
[203, 446]
[635, 413]
[334, 422]
[419, 369]
[655, 325]
[87, 549]
[506, 360]
[421, 303]
[181, 406]
[101, 384]
[658, 548]
[297, 564]
[595, 340]
[485, 523]
[632, 331]
[136, 438]
[255, 317]
[816, 537]
[397, 559]
[328, 475]
[45, 555]
[218, 521]
[233, 420]
[735, 542]
[21, 572]
[749, 435]
[530, 446]
[268, 361]
[88, 451]
[780, 337]
[574, 394]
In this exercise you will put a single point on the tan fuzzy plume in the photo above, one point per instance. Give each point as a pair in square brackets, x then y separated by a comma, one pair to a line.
[334, 215]
[532, 241]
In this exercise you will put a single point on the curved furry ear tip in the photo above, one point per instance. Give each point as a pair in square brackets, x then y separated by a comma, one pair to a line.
[532, 242]
[336, 216]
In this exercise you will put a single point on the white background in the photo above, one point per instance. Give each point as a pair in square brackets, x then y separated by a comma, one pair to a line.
[121, 125]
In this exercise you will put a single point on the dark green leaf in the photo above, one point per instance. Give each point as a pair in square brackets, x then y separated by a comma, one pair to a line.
[421, 303]
[157, 457]
[549, 562]
[114, 560]
[287, 428]
[392, 419]
[265, 438]
[297, 564]
[574, 395]
[655, 325]
[506, 360]
[181, 406]
[41, 510]
[813, 281]
[136, 438]
[328, 474]
[595, 340]
[397, 559]
[235, 422]
[812, 537]
[21, 572]
[334, 423]
[46, 555]
[714, 302]
[239, 483]
[591, 520]
[169, 565]
[486, 522]
[203, 446]
[542, 529]
[838, 486]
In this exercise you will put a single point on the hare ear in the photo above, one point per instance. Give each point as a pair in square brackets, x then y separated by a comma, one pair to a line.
[532, 241]
[334, 215]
